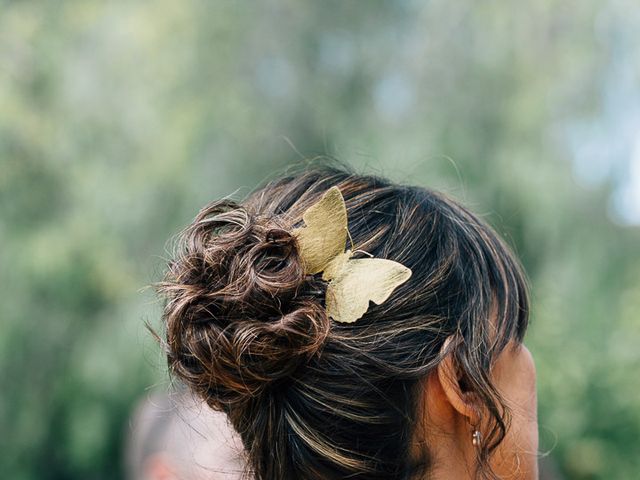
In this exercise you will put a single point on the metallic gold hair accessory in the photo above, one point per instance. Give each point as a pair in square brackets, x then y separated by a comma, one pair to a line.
[353, 283]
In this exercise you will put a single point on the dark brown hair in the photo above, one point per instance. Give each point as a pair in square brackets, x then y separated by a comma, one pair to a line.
[312, 398]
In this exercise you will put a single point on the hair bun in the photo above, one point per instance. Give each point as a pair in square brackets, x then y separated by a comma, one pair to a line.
[240, 312]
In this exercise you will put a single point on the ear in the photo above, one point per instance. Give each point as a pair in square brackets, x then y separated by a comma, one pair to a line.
[449, 376]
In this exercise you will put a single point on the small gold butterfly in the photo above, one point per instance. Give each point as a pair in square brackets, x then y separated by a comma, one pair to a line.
[353, 283]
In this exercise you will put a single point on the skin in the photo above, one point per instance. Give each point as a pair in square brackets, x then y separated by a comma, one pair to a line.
[451, 415]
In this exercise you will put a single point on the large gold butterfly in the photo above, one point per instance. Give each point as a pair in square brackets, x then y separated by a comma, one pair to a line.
[353, 283]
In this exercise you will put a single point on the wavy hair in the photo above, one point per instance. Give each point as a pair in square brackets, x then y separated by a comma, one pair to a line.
[246, 329]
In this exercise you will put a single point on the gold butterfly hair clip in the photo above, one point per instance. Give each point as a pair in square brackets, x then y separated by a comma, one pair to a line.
[353, 283]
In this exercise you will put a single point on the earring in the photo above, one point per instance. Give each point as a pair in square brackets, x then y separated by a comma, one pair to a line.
[475, 438]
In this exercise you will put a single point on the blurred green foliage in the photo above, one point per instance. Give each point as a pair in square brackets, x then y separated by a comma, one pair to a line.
[119, 120]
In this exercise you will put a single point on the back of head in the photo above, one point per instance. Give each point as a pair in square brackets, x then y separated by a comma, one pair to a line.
[313, 398]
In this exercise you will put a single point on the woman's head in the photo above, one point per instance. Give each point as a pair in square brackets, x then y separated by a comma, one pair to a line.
[313, 398]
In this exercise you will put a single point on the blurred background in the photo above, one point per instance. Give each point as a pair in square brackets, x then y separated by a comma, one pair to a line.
[119, 120]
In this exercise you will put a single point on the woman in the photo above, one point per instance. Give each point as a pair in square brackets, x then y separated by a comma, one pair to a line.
[432, 381]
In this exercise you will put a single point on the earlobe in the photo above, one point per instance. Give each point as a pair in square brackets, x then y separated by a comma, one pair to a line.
[450, 378]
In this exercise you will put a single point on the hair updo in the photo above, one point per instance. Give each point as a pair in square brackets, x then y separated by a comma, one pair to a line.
[241, 315]
[311, 398]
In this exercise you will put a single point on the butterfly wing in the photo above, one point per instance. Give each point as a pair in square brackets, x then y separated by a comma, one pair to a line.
[324, 235]
[363, 280]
